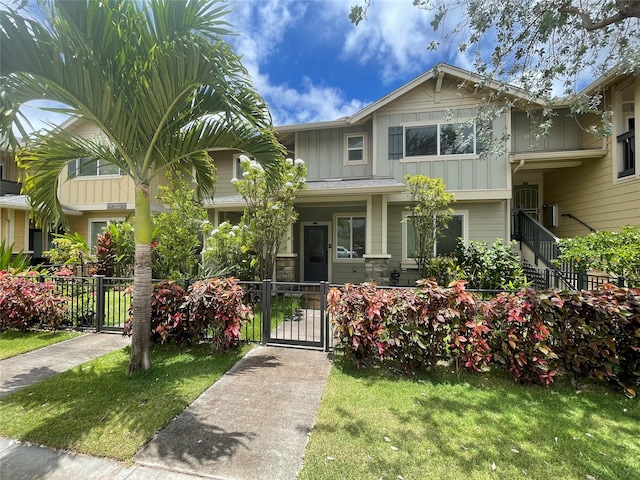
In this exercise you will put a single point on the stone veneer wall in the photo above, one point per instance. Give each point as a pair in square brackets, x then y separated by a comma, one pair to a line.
[376, 270]
[286, 269]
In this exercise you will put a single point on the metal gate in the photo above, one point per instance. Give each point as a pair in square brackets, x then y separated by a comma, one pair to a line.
[295, 314]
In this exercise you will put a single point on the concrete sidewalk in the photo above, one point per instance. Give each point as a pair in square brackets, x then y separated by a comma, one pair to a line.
[252, 424]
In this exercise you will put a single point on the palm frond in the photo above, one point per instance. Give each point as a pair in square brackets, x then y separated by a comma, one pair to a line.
[45, 159]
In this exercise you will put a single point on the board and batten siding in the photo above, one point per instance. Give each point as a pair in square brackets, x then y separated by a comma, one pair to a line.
[422, 104]
[565, 133]
[20, 224]
[223, 161]
[589, 193]
[323, 151]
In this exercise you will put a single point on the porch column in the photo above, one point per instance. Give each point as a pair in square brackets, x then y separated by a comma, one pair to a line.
[376, 259]
[286, 259]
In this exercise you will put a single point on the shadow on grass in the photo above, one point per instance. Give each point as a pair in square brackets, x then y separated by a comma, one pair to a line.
[97, 409]
[476, 419]
[21, 380]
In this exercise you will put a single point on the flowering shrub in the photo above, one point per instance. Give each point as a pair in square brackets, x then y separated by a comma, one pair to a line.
[228, 252]
[25, 303]
[270, 208]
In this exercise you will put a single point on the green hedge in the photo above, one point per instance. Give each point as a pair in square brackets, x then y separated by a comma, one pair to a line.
[534, 334]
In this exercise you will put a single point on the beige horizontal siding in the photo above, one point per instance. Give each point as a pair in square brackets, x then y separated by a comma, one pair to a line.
[589, 193]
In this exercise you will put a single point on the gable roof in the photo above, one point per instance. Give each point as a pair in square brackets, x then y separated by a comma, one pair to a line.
[438, 72]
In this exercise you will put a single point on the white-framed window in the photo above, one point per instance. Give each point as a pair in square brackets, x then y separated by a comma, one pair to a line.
[91, 167]
[95, 229]
[237, 168]
[445, 244]
[96, 225]
[415, 140]
[355, 149]
[626, 143]
[350, 236]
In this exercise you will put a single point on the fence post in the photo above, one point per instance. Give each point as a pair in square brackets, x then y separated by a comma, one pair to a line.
[100, 303]
[324, 316]
[266, 311]
[582, 281]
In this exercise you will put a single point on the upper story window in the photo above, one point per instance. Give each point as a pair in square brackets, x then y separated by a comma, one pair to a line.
[433, 140]
[238, 173]
[355, 149]
[627, 145]
[90, 167]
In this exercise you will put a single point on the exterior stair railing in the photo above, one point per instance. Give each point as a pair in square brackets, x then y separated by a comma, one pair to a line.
[544, 246]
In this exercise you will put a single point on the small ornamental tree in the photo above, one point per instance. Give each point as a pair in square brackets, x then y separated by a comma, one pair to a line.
[429, 213]
[179, 231]
[270, 197]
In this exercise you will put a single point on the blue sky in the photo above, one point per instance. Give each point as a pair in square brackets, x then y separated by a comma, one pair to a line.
[311, 64]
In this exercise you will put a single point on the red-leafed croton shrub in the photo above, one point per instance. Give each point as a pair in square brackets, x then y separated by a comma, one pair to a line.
[216, 306]
[211, 309]
[522, 324]
[599, 334]
[410, 327]
[358, 313]
[168, 317]
[25, 302]
[534, 334]
[470, 333]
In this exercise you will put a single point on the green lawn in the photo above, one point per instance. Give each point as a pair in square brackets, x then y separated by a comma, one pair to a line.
[372, 425]
[14, 343]
[97, 409]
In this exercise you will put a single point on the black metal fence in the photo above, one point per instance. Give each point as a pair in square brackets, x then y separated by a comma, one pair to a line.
[284, 313]
[97, 302]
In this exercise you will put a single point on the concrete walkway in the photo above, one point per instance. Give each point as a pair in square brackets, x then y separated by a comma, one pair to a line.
[252, 424]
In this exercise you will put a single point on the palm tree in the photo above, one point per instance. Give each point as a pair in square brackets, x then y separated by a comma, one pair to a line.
[158, 82]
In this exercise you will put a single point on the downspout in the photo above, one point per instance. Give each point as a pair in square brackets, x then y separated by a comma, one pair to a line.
[520, 165]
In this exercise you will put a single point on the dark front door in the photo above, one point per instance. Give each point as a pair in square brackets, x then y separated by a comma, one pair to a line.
[316, 258]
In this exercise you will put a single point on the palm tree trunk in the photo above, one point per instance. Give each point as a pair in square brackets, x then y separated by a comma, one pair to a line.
[141, 283]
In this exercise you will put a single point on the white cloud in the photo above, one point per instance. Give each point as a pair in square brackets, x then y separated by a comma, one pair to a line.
[395, 36]
[311, 104]
[263, 26]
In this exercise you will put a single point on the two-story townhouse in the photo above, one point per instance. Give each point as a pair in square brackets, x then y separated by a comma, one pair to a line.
[16, 227]
[350, 226]
[100, 192]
